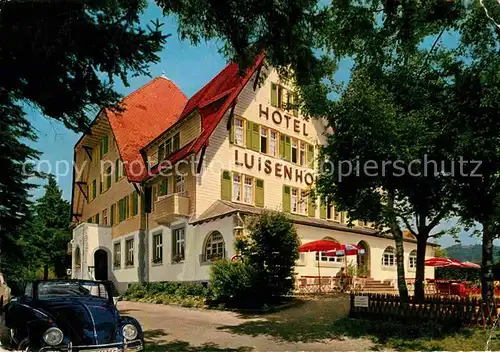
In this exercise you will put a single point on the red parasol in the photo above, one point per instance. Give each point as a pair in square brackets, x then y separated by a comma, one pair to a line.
[469, 265]
[443, 263]
[319, 246]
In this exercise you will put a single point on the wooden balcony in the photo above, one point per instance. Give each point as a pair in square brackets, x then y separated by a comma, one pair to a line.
[168, 208]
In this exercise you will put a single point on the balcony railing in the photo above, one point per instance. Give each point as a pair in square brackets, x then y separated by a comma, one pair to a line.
[167, 208]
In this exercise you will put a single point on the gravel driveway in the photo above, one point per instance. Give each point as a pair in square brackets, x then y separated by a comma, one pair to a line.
[301, 328]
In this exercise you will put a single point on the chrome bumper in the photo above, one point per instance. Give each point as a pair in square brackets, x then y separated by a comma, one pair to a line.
[134, 345]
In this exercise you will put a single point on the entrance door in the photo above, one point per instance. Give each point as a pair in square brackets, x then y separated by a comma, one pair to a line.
[101, 264]
[363, 260]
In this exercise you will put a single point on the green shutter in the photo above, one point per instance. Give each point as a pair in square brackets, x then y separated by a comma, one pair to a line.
[97, 218]
[127, 207]
[161, 152]
[322, 210]
[274, 94]
[94, 188]
[311, 206]
[163, 187]
[256, 137]
[231, 129]
[117, 168]
[105, 144]
[249, 133]
[168, 148]
[310, 155]
[88, 193]
[123, 169]
[286, 198]
[101, 189]
[121, 210]
[282, 146]
[101, 149]
[135, 203]
[176, 142]
[259, 193]
[288, 148]
[226, 185]
[112, 215]
[89, 220]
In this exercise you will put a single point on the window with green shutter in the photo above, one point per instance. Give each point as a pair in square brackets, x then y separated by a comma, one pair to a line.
[89, 220]
[104, 145]
[135, 203]
[286, 198]
[231, 128]
[168, 147]
[249, 134]
[288, 148]
[255, 137]
[274, 94]
[121, 210]
[226, 185]
[94, 188]
[117, 169]
[112, 215]
[311, 205]
[108, 177]
[310, 155]
[259, 193]
[101, 188]
[163, 187]
[127, 207]
[282, 146]
[97, 218]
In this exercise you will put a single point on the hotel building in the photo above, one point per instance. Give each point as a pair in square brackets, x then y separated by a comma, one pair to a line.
[161, 188]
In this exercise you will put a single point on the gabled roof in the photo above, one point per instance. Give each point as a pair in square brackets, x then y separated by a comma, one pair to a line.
[149, 111]
[212, 101]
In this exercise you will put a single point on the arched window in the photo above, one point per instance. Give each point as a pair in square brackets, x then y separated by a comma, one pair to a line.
[215, 247]
[78, 257]
[388, 258]
[321, 256]
[413, 260]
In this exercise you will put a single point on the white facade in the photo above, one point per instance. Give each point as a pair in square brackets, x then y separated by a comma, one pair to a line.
[221, 154]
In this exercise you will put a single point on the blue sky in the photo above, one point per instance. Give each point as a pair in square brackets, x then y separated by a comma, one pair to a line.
[188, 66]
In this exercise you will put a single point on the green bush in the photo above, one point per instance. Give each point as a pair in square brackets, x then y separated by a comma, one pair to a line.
[235, 284]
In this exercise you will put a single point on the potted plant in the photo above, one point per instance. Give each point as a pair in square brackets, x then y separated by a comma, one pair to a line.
[215, 257]
[177, 258]
[129, 263]
[156, 260]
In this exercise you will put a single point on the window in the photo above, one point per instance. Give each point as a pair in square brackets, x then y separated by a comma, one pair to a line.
[413, 260]
[168, 148]
[180, 186]
[178, 244]
[109, 174]
[104, 145]
[388, 257]
[321, 256]
[236, 187]
[96, 218]
[302, 154]
[263, 140]
[274, 95]
[176, 142]
[214, 247]
[238, 131]
[158, 248]
[248, 196]
[105, 217]
[94, 189]
[281, 91]
[295, 200]
[112, 215]
[28, 290]
[294, 150]
[129, 247]
[161, 152]
[273, 143]
[117, 255]
[303, 202]
[78, 257]
[163, 187]
[122, 209]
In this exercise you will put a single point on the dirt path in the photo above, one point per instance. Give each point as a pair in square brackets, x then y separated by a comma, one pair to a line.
[302, 328]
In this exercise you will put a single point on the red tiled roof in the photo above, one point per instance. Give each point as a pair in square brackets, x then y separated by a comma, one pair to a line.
[149, 111]
[212, 102]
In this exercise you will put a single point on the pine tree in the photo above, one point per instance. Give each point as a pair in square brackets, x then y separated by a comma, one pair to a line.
[51, 229]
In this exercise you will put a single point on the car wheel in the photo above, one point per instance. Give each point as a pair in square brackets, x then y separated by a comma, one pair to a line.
[24, 345]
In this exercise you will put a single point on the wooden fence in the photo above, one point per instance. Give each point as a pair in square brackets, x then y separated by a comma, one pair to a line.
[449, 311]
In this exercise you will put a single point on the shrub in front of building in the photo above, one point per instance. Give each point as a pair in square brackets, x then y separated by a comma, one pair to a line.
[265, 274]
[183, 294]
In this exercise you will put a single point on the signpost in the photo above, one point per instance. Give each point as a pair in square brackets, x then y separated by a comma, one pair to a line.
[361, 301]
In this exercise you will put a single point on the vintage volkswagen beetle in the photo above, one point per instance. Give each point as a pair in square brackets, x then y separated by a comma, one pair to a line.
[70, 315]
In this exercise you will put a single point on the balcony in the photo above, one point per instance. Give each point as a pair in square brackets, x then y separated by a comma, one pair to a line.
[168, 208]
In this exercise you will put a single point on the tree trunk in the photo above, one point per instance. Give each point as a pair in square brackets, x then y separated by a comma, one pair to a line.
[420, 274]
[45, 272]
[487, 263]
[400, 262]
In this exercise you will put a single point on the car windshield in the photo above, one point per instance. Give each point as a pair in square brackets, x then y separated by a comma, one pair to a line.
[52, 289]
